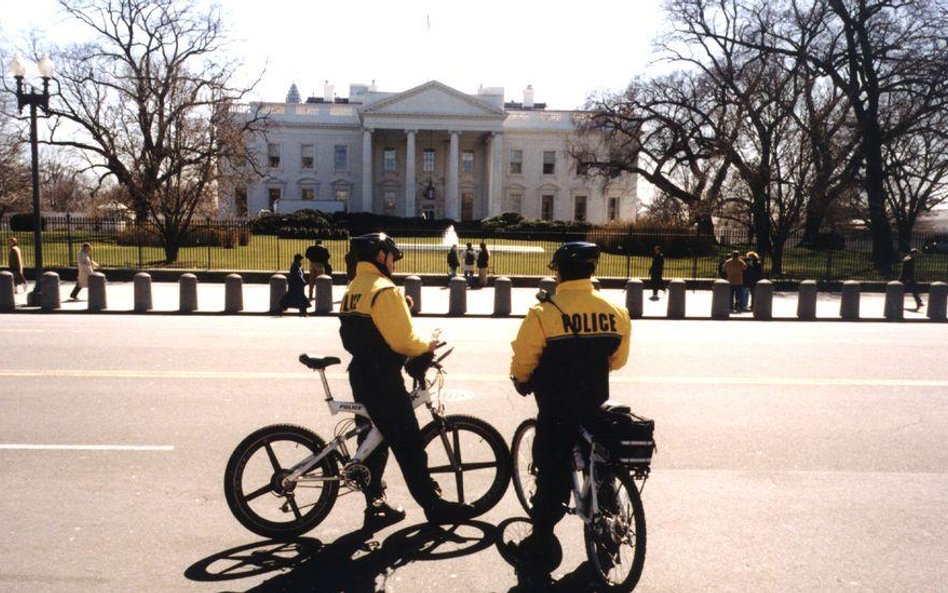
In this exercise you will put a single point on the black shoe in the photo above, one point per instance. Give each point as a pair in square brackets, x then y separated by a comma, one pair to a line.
[380, 514]
[442, 512]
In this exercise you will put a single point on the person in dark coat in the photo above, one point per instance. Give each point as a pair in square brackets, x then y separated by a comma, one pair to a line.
[454, 262]
[483, 259]
[295, 296]
[752, 275]
[318, 257]
[655, 272]
[907, 277]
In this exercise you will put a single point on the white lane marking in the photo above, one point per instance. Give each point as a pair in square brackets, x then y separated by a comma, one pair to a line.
[678, 380]
[29, 447]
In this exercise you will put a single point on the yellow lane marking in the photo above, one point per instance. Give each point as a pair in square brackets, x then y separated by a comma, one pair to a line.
[677, 380]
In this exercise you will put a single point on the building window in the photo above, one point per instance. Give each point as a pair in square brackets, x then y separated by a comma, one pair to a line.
[389, 202]
[240, 201]
[274, 194]
[388, 160]
[516, 203]
[546, 207]
[516, 162]
[307, 156]
[549, 162]
[342, 194]
[428, 161]
[308, 193]
[273, 155]
[341, 158]
[579, 209]
[467, 161]
[613, 208]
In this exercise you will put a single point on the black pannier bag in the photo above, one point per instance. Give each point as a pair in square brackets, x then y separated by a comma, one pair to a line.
[628, 438]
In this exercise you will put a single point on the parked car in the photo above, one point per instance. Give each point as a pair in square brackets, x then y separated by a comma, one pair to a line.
[937, 244]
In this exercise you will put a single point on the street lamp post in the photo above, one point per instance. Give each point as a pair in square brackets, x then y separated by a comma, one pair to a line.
[28, 95]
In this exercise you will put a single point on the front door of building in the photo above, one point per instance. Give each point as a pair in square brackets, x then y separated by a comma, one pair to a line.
[467, 206]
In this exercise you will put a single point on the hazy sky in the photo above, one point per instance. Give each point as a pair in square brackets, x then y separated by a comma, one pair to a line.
[565, 53]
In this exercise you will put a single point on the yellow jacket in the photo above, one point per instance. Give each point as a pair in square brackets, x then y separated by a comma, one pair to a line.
[574, 349]
[375, 321]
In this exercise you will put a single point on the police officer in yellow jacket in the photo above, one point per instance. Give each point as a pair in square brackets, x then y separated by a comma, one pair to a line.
[376, 329]
[563, 352]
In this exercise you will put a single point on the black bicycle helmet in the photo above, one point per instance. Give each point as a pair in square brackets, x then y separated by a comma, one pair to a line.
[366, 246]
[573, 253]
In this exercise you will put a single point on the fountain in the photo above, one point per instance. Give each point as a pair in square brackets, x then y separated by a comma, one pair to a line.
[450, 238]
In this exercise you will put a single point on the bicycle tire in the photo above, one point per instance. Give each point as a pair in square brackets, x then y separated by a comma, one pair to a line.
[523, 471]
[282, 446]
[490, 451]
[611, 530]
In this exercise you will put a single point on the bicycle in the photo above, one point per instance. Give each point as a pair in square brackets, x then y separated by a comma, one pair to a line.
[612, 513]
[283, 480]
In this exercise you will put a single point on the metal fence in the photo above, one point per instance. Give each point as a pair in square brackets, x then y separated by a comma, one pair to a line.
[230, 246]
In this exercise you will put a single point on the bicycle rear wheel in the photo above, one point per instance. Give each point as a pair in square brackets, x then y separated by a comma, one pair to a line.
[468, 459]
[524, 472]
[257, 493]
[615, 540]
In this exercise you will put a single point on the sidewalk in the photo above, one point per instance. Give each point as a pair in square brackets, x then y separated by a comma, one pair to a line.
[434, 301]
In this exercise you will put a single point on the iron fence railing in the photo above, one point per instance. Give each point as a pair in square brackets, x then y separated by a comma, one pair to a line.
[231, 246]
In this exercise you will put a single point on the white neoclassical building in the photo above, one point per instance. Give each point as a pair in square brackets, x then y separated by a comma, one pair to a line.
[429, 151]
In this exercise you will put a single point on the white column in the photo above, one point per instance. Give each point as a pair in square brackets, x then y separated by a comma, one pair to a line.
[410, 176]
[451, 197]
[367, 170]
[495, 185]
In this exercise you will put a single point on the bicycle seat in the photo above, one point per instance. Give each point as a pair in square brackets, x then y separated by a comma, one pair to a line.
[611, 406]
[317, 363]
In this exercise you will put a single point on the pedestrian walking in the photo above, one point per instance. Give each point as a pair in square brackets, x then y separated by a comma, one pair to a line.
[907, 277]
[295, 296]
[734, 272]
[483, 257]
[16, 265]
[752, 275]
[87, 265]
[454, 262]
[656, 271]
[318, 257]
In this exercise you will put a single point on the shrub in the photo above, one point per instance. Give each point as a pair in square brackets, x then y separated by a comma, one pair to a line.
[23, 221]
[640, 238]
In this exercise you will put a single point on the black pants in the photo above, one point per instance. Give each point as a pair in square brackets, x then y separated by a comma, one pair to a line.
[381, 389]
[912, 286]
[559, 417]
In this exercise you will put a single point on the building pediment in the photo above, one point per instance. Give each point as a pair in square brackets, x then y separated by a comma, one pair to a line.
[433, 99]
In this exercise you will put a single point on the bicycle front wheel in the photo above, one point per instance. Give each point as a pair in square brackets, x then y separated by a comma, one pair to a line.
[524, 471]
[615, 540]
[468, 459]
[259, 495]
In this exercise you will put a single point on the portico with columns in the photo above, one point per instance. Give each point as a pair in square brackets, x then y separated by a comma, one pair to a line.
[427, 128]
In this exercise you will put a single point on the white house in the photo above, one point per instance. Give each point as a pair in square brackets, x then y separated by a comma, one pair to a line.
[429, 151]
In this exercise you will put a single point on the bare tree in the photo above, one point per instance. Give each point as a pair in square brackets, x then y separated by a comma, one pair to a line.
[14, 169]
[64, 188]
[151, 95]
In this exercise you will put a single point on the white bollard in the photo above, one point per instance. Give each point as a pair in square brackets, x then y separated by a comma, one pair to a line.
[633, 297]
[278, 288]
[187, 293]
[97, 293]
[457, 303]
[676, 299]
[233, 293]
[142, 283]
[764, 300]
[937, 301]
[7, 292]
[721, 299]
[413, 290]
[323, 295]
[894, 301]
[49, 291]
[806, 300]
[849, 301]
[502, 295]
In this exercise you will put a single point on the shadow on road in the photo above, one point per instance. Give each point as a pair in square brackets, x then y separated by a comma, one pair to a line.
[352, 563]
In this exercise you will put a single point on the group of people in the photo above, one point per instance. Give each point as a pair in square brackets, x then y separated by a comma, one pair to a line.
[479, 258]
[742, 273]
[86, 266]
[319, 264]
[565, 364]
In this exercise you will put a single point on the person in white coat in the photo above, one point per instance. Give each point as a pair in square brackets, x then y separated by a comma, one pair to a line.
[87, 265]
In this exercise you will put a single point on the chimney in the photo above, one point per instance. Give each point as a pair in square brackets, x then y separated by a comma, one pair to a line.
[328, 94]
[528, 97]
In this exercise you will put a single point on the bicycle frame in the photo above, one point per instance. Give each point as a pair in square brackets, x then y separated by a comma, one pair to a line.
[584, 477]
[420, 395]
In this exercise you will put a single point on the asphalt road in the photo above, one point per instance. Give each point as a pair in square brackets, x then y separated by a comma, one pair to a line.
[792, 457]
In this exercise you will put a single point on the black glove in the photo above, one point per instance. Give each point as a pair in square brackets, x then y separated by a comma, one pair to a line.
[524, 389]
[417, 366]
